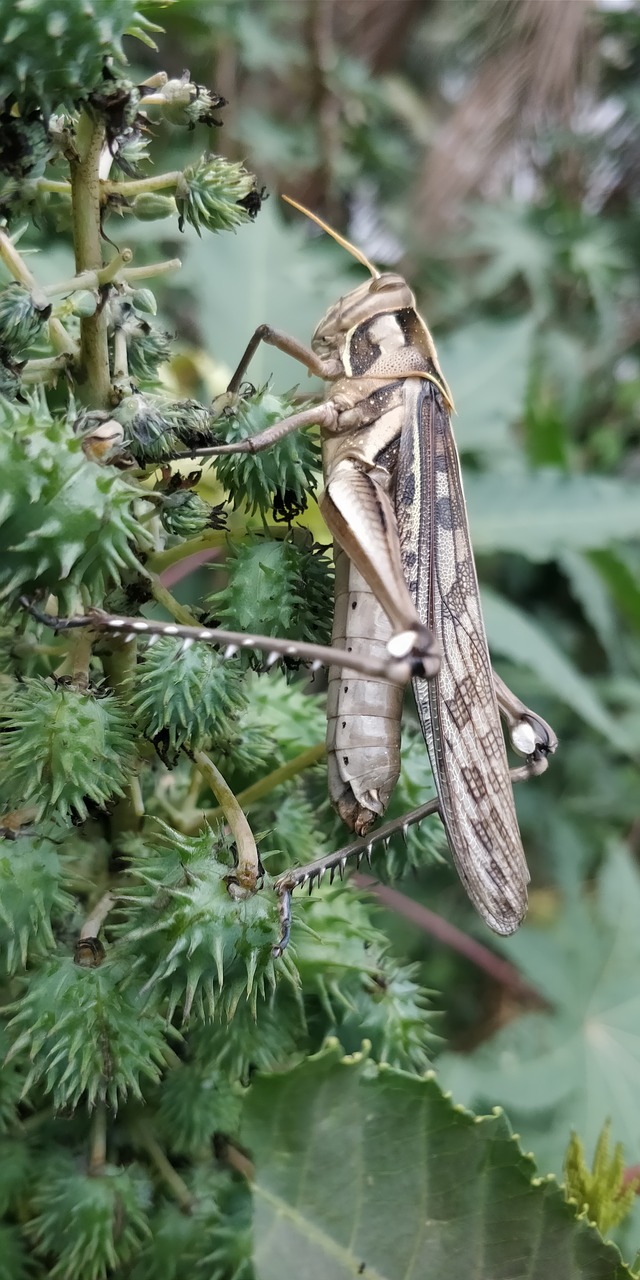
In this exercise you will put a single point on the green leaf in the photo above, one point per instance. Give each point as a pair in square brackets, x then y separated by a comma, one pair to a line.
[541, 514]
[486, 364]
[587, 587]
[579, 1063]
[513, 634]
[375, 1172]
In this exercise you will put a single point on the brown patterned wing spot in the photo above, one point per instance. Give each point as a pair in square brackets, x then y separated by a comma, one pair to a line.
[460, 706]
[474, 782]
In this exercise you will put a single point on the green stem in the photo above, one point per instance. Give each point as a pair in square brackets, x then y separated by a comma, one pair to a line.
[56, 188]
[140, 186]
[119, 666]
[98, 1154]
[92, 279]
[85, 184]
[180, 612]
[46, 370]
[162, 560]
[313, 755]
[248, 862]
[131, 274]
[170, 1177]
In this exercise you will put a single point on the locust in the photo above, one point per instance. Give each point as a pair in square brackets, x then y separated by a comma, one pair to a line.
[407, 603]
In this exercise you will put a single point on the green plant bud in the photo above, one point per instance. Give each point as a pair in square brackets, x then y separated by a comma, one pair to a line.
[84, 302]
[145, 300]
[291, 466]
[278, 588]
[30, 894]
[149, 433]
[213, 949]
[185, 514]
[67, 523]
[210, 192]
[186, 696]
[63, 749]
[53, 55]
[86, 1034]
[21, 318]
[151, 206]
[108, 1212]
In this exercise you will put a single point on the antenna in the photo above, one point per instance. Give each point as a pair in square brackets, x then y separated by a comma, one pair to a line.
[335, 235]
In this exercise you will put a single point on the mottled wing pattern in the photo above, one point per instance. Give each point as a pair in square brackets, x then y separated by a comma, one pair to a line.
[457, 709]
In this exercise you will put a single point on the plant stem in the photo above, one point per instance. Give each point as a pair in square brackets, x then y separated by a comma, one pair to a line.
[173, 555]
[171, 1178]
[85, 185]
[16, 265]
[98, 1155]
[248, 863]
[96, 919]
[313, 755]
[180, 612]
[500, 970]
[119, 665]
[140, 186]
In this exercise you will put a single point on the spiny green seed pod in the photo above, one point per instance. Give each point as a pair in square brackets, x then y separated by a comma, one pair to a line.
[53, 55]
[264, 1041]
[22, 318]
[30, 894]
[335, 942]
[146, 347]
[291, 466]
[278, 588]
[184, 514]
[86, 1034]
[63, 749]
[149, 434]
[191, 104]
[196, 1102]
[108, 1212]
[10, 381]
[67, 523]
[214, 949]
[391, 1010]
[191, 422]
[185, 696]
[25, 145]
[182, 1244]
[210, 192]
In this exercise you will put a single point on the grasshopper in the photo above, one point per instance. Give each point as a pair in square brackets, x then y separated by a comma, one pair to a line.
[407, 601]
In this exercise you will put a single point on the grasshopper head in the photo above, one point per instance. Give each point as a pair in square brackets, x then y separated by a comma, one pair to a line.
[383, 295]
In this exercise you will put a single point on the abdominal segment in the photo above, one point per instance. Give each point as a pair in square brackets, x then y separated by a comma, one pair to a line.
[363, 715]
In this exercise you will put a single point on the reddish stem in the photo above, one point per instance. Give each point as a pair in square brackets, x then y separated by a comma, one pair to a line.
[500, 970]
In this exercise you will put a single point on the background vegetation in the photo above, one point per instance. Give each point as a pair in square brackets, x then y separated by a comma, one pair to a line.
[173, 1103]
